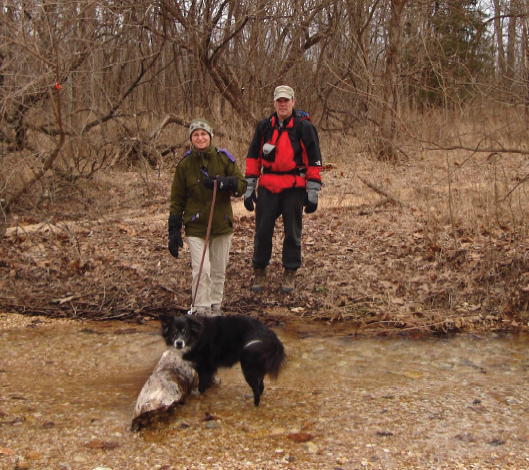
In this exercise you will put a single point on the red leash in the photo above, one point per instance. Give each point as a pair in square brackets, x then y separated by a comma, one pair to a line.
[205, 244]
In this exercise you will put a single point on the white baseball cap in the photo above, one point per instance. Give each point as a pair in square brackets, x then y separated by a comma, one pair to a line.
[283, 91]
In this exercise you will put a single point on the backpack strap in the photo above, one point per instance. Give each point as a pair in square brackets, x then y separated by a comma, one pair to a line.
[269, 125]
[228, 154]
[184, 157]
[299, 117]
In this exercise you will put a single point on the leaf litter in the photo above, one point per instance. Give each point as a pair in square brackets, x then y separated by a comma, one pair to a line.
[377, 266]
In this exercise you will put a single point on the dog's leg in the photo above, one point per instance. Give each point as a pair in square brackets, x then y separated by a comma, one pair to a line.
[205, 380]
[252, 378]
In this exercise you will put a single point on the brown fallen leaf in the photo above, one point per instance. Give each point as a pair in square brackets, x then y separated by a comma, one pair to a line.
[99, 444]
[76, 265]
[300, 436]
[125, 331]
[33, 455]
[465, 437]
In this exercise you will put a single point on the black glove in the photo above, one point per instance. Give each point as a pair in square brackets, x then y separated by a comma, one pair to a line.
[249, 196]
[175, 237]
[311, 197]
[224, 183]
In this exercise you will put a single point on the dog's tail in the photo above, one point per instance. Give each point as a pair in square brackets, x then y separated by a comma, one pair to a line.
[273, 356]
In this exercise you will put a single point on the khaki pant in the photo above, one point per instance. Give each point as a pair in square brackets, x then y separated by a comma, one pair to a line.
[211, 286]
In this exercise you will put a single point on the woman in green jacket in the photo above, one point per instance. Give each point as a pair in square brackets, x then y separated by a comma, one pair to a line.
[191, 199]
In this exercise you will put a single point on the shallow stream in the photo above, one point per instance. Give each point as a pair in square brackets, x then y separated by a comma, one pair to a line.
[67, 393]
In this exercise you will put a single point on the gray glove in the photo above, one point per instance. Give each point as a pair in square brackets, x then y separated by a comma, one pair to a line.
[250, 196]
[311, 197]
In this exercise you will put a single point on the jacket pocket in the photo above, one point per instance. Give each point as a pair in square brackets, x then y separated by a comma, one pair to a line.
[269, 152]
[194, 213]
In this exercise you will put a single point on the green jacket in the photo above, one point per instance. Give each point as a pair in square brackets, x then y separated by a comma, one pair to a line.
[191, 198]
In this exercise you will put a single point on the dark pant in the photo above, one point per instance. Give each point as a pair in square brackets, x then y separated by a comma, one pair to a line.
[289, 204]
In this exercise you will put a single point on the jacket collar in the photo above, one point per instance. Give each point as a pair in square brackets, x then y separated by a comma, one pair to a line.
[288, 122]
[208, 153]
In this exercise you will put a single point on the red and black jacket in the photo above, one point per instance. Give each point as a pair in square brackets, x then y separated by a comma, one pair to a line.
[296, 158]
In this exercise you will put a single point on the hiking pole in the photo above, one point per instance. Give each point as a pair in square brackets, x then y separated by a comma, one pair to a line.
[205, 245]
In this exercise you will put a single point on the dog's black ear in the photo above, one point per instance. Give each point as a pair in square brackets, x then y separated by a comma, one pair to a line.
[165, 319]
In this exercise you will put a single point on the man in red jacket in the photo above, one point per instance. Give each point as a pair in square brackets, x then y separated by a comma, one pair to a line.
[285, 158]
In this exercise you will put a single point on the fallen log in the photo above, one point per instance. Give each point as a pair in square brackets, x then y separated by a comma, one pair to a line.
[171, 381]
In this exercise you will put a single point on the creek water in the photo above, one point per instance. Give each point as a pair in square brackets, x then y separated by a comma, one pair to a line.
[67, 393]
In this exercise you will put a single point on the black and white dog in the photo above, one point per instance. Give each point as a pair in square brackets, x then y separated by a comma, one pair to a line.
[222, 341]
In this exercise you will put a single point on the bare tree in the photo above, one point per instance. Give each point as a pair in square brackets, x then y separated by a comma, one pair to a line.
[502, 63]
[391, 81]
[97, 62]
[514, 14]
[376, 70]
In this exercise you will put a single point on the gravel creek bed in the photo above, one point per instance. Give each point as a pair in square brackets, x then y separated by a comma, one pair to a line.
[68, 389]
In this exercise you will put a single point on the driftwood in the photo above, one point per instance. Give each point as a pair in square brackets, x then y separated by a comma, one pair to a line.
[171, 381]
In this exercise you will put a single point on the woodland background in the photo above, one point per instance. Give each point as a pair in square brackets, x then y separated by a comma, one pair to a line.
[422, 109]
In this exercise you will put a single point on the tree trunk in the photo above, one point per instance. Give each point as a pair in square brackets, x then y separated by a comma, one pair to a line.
[514, 12]
[169, 384]
[499, 39]
[391, 80]
[525, 45]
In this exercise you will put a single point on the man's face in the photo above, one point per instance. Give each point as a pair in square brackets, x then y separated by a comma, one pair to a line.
[283, 107]
[200, 139]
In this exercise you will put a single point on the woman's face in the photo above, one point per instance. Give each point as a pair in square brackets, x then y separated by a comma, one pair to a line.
[200, 139]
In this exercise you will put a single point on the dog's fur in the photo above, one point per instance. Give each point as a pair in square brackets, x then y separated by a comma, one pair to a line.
[222, 341]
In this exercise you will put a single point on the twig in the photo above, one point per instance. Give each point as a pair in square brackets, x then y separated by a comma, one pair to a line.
[522, 181]
[66, 299]
[389, 197]
[450, 204]
[167, 289]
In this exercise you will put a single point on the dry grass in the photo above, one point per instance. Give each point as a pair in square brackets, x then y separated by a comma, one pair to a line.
[466, 191]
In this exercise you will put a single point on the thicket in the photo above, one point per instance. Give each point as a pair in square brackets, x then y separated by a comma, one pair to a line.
[88, 85]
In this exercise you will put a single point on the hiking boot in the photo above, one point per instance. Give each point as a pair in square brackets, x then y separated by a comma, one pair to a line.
[259, 279]
[202, 311]
[289, 281]
[216, 311]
